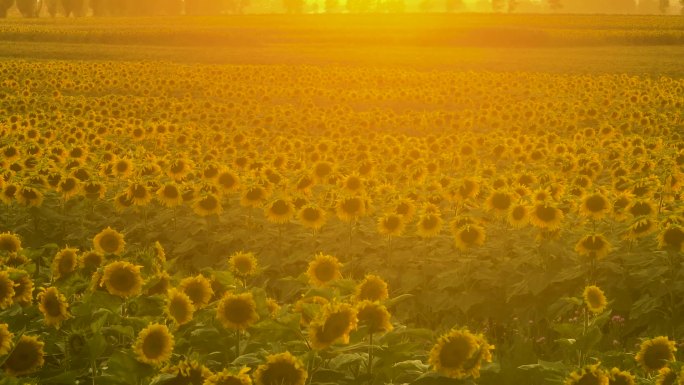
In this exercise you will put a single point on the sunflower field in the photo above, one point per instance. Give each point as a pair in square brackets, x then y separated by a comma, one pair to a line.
[291, 224]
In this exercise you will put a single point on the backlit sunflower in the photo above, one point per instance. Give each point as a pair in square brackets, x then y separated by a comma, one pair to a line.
[254, 196]
[499, 201]
[323, 269]
[65, 262]
[619, 377]
[546, 216]
[6, 290]
[595, 206]
[227, 377]
[169, 195]
[406, 208]
[139, 194]
[518, 215]
[154, 345]
[10, 243]
[672, 238]
[122, 279]
[109, 241]
[374, 316]
[640, 228]
[372, 288]
[459, 354]
[9, 192]
[179, 307]
[207, 204]
[243, 264]
[311, 216]
[352, 184]
[333, 325]
[227, 181]
[26, 357]
[654, 354]
[198, 288]
[91, 260]
[469, 236]
[187, 372]
[279, 211]
[391, 225]
[23, 286]
[54, 307]
[237, 311]
[281, 369]
[667, 376]
[593, 246]
[588, 375]
[5, 339]
[309, 308]
[594, 299]
[429, 225]
[29, 196]
[350, 208]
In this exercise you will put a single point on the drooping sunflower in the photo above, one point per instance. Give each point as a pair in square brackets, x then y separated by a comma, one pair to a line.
[620, 377]
[54, 306]
[595, 206]
[667, 376]
[179, 306]
[545, 216]
[6, 290]
[154, 345]
[280, 210]
[372, 288]
[588, 375]
[227, 377]
[9, 193]
[10, 243]
[109, 241]
[593, 245]
[122, 279]
[654, 354]
[374, 316]
[281, 369]
[26, 357]
[350, 208]
[641, 208]
[323, 269]
[640, 228]
[518, 215]
[311, 216]
[243, 264]
[333, 325]
[5, 339]
[309, 308]
[254, 196]
[237, 311]
[207, 204]
[459, 354]
[23, 286]
[139, 194]
[595, 299]
[169, 195]
[429, 225]
[406, 208]
[198, 288]
[672, 238]
[65, 262]
[29, 196]
[187, 372]
[159, 283]
[391, 225]
[469, 236]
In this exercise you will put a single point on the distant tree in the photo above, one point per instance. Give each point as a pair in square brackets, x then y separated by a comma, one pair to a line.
[5, 5]
[30, 8]
[664, 5]
[454, 5]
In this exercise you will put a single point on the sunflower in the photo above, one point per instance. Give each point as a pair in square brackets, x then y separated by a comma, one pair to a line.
[335, 324]
[227, 181]
[309, 307]
[139, 194]
[227, 377]
[10, 243]
[640, 228]
[459, 354]
[593, 245]
[91, 260]
[594, 299]
[469, 236]
[29, 196]
[594, 206]
[6, 290]
[179, 307]
[242, 264]
[375, 316]
[159, 254]
[54, 306]
[122, 279]
[272, 306]
[352, 184]
[254, 196]
[429, 225]
[187, 372]
[281, 369]
[179, 168]
[672, 238]
[311, 216]
[198, 288]
[207, 205]
[237, 311]
[322, 170]
[323, 269]
[159, 283]
[655, 353]
[23, 286]
[391, 224]
[109, 241]
[518, 215]
[350, 208]
[5, 339]
[65, 262]
[546, 217]
[169, 195]
[406, 208]
[618, 377]
[499, 201]
[372, 288]
[154, 345]
[666, 376]
[122, 202]
[26, 357]
[588, 375]
[641, 208]
[279, 211]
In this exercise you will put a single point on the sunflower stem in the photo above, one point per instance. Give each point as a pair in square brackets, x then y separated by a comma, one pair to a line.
[370, 357]
[237, 344]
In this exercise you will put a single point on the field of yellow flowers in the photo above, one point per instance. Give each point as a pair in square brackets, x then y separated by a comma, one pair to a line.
[290, 224]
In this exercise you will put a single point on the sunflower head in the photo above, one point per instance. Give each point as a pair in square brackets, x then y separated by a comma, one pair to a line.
[65, 262]
[54, 306]
[595, 206]
[311, 216]
[374, 316]
[243, 264]
[5, 339]
[323, 269]
[279, 211]
[518, 215]
[469, 236]
[372, 288]
[207, 204]
[23, 286]
[429, 225]
[91, 260]
[154, 345]
[237, 311]
[198, 288]
[26, 357]
[459, 354]
[672, 238]
[333, 325]
[594, 299]
[109, 241]
[350, 208]
[7, 292]
[620, 377]
[179, 306]
[122, 279]
[546, 216]
[593, 246]
[227, 377]
[281, 369]
[10, 243]
[654, 354]
[667, 376]
[588, 375]
[188, 372]
[391, 224]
